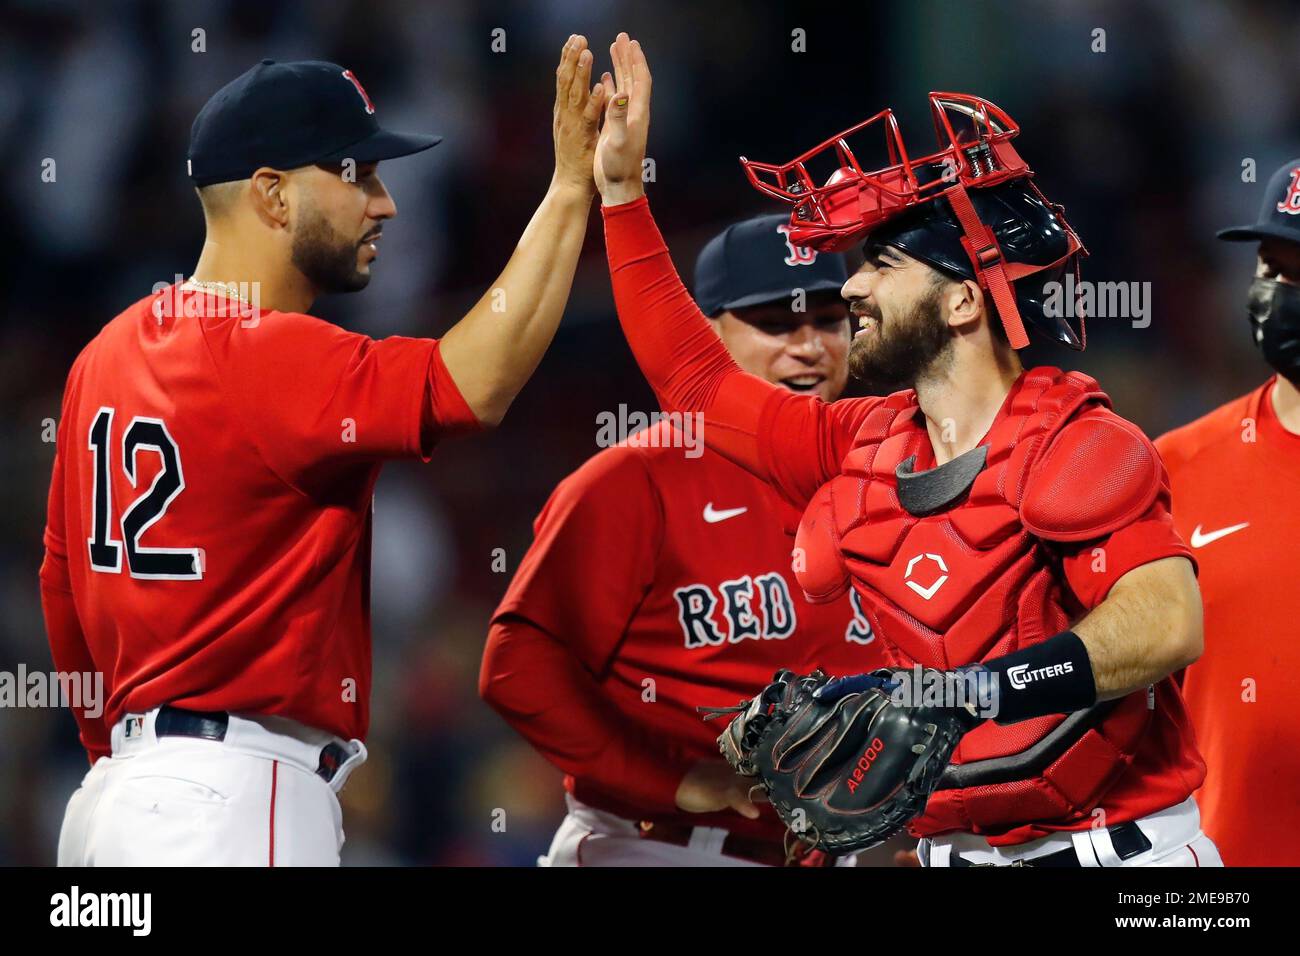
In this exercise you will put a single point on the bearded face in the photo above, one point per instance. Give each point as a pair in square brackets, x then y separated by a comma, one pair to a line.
[329, 259]
[901, 335]
[337, 224]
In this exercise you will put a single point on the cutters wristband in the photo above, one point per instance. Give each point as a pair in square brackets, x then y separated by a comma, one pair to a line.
[1052, 677]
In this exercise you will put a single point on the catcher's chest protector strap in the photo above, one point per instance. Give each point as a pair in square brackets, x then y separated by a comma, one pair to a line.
[967, 583]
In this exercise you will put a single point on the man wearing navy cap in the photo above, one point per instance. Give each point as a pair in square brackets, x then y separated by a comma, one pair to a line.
[207, 547]
[660, 580]
[1236, 476]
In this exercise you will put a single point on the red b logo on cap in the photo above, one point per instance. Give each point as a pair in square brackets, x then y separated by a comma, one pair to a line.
[370, 107]
[1291, 201]
[803, 255]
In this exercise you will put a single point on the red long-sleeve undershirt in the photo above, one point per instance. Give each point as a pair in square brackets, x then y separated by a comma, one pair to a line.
[539, 686]
[793, 442]
[70, 653]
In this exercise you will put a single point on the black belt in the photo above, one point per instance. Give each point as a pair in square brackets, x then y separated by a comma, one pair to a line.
[211, 725]
[1127, 838]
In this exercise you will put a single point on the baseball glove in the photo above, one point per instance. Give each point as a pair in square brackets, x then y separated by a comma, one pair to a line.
[845, 767]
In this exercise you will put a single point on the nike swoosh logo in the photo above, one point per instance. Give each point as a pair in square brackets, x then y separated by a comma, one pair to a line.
[1200, 540]
[713, 517]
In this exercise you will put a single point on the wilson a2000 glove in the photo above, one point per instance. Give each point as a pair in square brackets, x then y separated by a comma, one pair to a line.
[843, 764]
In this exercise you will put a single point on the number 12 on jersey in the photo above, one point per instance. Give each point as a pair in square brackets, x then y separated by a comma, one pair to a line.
[147, 434]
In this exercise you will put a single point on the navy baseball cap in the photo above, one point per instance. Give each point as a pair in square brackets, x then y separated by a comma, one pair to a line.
[287, 115]
[753, 262]
[1279, 216]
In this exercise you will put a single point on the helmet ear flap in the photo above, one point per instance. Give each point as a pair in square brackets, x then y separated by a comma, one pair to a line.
[1047, 300]
[1077, 254]
[1068, 274]
[1018, 287]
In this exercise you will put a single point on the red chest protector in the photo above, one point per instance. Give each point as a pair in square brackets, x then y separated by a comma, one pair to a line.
[979, 576]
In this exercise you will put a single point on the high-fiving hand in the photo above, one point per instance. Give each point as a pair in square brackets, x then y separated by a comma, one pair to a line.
[620, 152]
[576, 116]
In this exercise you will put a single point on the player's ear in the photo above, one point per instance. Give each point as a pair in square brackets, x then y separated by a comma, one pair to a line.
[964, 302]
[270, 192]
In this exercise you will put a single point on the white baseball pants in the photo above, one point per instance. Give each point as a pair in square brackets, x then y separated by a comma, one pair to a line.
[1175, 835]
[252, 799]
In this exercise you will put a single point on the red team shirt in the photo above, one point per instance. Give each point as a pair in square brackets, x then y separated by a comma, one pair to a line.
[1236, 484]
[649, 565]
[228, 568]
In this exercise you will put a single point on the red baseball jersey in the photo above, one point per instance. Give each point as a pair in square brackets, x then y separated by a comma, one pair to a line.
[666, 576]
[208, 536]
[1236, 499]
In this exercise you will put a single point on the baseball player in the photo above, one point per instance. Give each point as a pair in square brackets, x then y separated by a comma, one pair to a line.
[660, 581]
[990, 518]
[1234, 474]
[208, 539]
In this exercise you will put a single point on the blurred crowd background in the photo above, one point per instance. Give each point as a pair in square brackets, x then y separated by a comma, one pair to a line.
[1144, 143]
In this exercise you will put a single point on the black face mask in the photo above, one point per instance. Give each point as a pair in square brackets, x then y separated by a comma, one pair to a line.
[1274, 308]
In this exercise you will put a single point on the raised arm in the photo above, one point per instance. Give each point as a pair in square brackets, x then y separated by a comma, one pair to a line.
[492, 351]
[794, 442]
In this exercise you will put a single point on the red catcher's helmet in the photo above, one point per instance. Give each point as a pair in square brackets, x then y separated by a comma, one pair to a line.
[937, 201]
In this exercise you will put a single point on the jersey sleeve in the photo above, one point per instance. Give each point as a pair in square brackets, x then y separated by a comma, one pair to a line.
[793, 442]
[1101, 496]
[593, 556]
[68, 647]
[313, 395]
[1092, 569]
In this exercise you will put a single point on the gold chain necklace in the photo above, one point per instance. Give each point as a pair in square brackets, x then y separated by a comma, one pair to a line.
[221, 288]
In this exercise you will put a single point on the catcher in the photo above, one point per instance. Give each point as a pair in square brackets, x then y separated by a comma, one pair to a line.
[1008, 534]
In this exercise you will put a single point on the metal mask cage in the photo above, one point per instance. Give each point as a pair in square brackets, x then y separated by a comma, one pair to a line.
[975, 152]
[974, 149]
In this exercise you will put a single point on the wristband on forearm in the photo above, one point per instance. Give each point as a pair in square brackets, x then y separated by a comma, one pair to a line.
[1051, 677]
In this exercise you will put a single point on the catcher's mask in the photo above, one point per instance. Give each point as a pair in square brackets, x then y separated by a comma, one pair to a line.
[970, 210]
